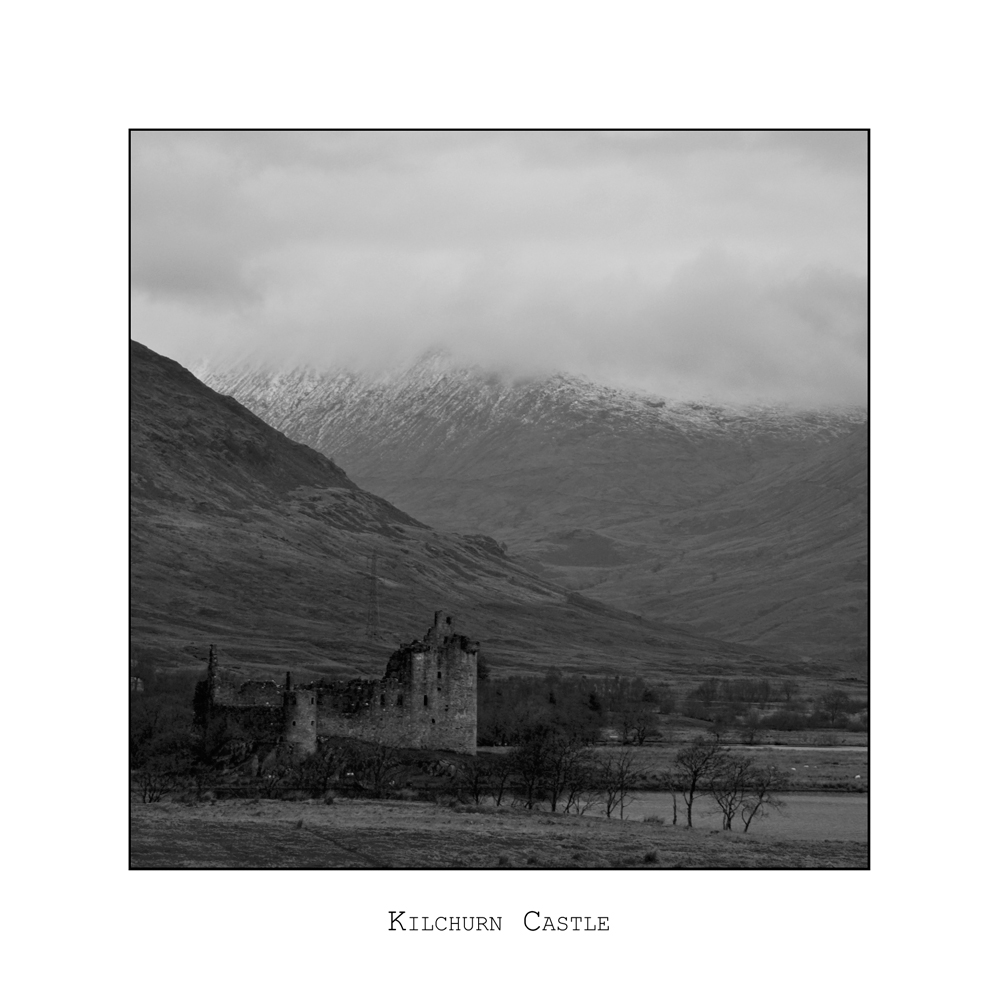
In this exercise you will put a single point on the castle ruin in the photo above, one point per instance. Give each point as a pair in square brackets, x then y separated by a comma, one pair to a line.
[426, 699]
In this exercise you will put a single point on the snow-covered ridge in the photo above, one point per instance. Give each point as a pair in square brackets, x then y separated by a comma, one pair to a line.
[436, 390]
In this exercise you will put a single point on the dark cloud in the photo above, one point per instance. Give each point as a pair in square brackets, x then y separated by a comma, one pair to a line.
[722, 264]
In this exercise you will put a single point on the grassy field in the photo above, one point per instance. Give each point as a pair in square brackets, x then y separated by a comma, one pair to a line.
[801, 815]
[396, 834]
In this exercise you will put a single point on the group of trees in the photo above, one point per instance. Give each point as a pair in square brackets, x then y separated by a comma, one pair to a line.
[355, 766]
[513, 708]
[735, 781]
[556, 770]
[738, 691]
[742, 704]
[632, 711]
[162, 750]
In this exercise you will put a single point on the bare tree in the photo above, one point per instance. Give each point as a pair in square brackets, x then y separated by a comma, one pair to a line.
[763, 692]
[723, 718]
[635, 707]
[638, 723]
[154, 779]
[581, 781]
[697, 763]
[586, 797]
[762, 786]
[160, 747]
[671, 783]
[751, 727]
[501, 769]
[619, 774]
[476, 778]
[565, 759]
[531, 765]
[375, 760]
[318, 771]
[789, 689]
[730, 785]
[834, 704]
[272, 780]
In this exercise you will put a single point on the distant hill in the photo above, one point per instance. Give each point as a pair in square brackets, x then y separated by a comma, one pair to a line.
[243, 538]
[748, 524]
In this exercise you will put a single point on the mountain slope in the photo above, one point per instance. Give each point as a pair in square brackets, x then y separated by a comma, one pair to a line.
[747, 524]
[246, 539]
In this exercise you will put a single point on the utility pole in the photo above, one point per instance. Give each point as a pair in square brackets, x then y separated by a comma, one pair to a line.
[373, 627]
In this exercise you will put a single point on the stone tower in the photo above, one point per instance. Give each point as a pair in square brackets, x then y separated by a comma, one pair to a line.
[300, 715]
[436, 681]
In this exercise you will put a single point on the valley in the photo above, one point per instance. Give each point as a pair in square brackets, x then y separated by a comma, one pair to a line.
[259, 545]
[245, 539]
[748, 525]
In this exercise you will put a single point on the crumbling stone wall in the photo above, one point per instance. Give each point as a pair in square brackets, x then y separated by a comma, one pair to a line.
[257, 706]
[426, 699]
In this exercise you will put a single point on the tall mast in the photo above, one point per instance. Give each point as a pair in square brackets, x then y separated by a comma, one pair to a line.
[372, 626]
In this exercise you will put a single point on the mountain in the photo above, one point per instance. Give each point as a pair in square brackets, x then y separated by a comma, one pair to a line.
[246, 539]
[748, 524]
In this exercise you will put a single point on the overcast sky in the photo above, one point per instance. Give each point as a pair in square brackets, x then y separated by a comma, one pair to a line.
[724, 265]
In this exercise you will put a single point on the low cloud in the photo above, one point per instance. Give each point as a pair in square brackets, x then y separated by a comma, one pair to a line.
[727, 265]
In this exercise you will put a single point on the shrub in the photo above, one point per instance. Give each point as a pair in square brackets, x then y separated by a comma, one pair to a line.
[858, 724]
[667, 699]
[785, 720]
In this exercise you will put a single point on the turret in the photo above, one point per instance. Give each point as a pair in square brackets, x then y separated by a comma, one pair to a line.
[440, 630]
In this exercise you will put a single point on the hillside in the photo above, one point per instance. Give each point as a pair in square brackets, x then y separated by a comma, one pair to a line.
[243, 538]
[745, 524]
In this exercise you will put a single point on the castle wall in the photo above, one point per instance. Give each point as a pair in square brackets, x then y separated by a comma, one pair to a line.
[264, 723]
[228, 688]
[256, 706]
